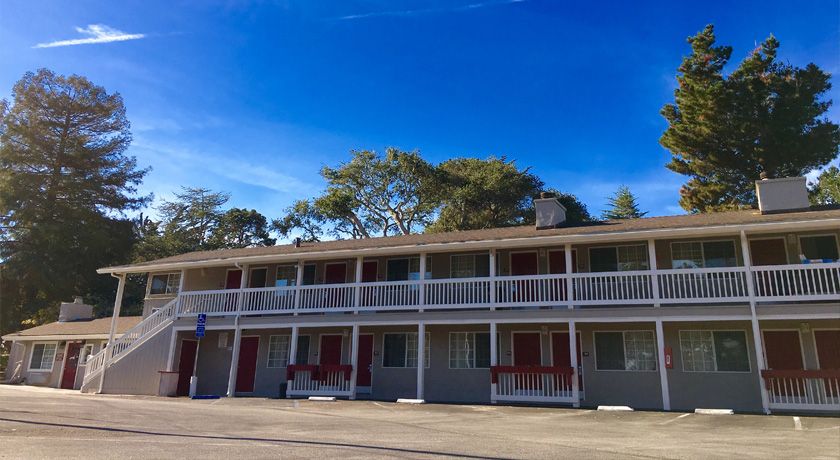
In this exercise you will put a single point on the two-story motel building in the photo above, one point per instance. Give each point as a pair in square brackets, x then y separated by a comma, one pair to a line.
[735, 310]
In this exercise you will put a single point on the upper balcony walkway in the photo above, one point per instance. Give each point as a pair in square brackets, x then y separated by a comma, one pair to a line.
[729, 285]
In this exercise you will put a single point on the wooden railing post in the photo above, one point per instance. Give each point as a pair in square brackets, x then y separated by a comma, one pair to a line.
[298, 284]
[494, 358]
[574, 361]
[567, 252]
[654, 272]
[357, 291]
[492, 260]
[354, 360]
[421, 296]
[292, 358]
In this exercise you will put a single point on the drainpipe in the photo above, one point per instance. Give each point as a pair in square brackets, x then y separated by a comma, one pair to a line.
[116, 314]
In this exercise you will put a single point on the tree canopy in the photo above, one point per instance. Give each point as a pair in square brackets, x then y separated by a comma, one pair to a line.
[724, 131]
[623, 205]
[826, 189]
[65, 184]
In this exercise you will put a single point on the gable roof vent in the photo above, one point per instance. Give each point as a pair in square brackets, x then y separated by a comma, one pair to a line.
[550, 213]
[781, 195]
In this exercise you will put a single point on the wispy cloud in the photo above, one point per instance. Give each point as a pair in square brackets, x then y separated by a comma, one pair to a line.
[468, 7]
[96, 33]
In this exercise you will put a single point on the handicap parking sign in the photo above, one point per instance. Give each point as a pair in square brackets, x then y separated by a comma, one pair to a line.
[199, 325]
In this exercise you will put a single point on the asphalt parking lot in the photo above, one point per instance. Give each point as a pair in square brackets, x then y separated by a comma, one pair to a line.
[47, 423]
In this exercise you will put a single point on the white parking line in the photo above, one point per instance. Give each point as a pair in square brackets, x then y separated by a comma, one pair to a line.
[674, 419]
[797, 424]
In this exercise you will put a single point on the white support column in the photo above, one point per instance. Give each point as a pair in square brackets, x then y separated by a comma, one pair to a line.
[298, 284]
[494, 357]
[354, 360]
[117, 307]
[170, 361]
[573, 356]
[756, 329]
[237, 334]
[493, 299]
[292, 355]
[421, 358]
[357, 291]
[654, 274]
[422, 286]
[663, 372]
[567, 252]
[180, 290]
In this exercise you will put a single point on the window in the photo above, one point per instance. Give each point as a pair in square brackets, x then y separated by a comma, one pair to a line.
[618, 258]
[258, 276]
[42, 358]
[469, 350]
[625, 351]
[469, 266]
[278, 351]
[87, 351]
[164, 284]
[819, 247]
[309, 275]
[400, 350]
[286, 276]
[714, 351]
[703, 254]
[302, 354]
[407, 268]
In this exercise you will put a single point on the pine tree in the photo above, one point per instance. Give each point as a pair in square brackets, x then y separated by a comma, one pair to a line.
[623, 205]
[724, 131]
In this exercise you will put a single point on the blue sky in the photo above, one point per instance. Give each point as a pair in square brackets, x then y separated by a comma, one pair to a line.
[253, 97]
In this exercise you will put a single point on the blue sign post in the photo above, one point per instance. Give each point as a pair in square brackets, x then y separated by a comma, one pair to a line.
[200, 324]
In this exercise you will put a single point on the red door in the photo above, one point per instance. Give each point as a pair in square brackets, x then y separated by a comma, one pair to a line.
[247, 370]
[524, 264]
[526, 349]
[330, 352]
[185, 366]
[71, 362]
[335, 274]
[234, 278]
[828, 348]
[783, 350]
[369, 271]
[365, 359]
[768, 252]
[560, 353]
[557, 262]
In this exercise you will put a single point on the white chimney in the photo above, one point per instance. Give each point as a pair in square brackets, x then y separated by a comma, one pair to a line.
[75, 311]
[550, 213]
[780, 195]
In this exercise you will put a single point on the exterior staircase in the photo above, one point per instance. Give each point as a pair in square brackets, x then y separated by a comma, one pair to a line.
[130, 340]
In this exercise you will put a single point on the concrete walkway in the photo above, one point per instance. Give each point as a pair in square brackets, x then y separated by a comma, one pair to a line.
[45, 423]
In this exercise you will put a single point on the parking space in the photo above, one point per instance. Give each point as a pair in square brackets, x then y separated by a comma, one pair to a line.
[38, 422]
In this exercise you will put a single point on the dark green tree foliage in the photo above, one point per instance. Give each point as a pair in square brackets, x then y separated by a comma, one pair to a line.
[623, 205]
[724, 131]
[241, 228]
[189, 220]
[64, 183]
[576, 211]
[371, 195]
[826, 190]
[484, 194]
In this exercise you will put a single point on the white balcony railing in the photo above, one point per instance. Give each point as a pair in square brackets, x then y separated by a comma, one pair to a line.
[532, 384]
[313, 380]
[643, 287]
[803, 389]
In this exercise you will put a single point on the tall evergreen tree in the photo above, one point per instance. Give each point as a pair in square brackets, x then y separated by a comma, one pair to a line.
[65, 182]
[189, 220]
[241, 228]
[623, 205]
[766, 116]
[826, 189]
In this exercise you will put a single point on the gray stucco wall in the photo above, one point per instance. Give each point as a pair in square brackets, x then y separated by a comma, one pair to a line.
[137, 372]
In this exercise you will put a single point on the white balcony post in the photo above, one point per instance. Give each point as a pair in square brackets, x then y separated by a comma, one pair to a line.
[354, 360]
[654, 274]
[573, 359]
[492, 260]
[663, 372]
[567, 252]
[292, 356]
[298, 284]
[117, 307]
[180, 290]
[421, 358]
[357, 291]
[421, 296]
[494, 357]
[756, 330]
[237, 334]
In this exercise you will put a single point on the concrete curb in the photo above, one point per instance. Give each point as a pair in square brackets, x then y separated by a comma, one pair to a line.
[322, 398]
[411, 401]
[615, 408]
[714, 411]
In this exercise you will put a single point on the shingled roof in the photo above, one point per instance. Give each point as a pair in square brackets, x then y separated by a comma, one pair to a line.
[70, 329]
[688, 221]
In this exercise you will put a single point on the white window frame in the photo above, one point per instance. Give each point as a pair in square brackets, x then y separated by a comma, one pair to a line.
[166, 293]
[473, 359]
[703, 250]
[87, 351]
[618, 262]
[474, 265]
[816, 235]
[714, 351]
[52, 359]
[426, 355]
[251, 271]
[427, 275]
[283, 362]
[624, 349]
[308, 348]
